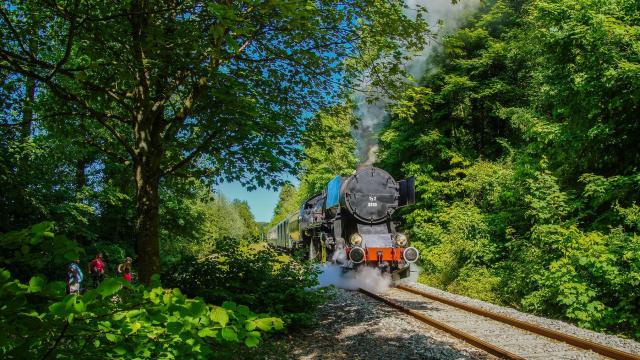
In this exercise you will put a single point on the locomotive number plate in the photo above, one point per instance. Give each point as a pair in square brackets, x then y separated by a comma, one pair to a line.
[372, 202]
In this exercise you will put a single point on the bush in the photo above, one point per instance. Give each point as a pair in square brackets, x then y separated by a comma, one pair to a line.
[37, 250]
[254, 275]
[116, 320]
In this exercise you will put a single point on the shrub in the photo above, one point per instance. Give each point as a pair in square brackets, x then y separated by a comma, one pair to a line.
[37, 250]
[116, 320]
[37, 320]
[254, 275]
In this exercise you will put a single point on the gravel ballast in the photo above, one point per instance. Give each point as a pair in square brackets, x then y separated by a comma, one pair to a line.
[354, 326]
[627, 345]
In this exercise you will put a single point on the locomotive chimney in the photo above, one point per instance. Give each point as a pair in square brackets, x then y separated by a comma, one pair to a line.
[362, 167]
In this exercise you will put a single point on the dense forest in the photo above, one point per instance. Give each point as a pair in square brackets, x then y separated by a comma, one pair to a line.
[524, 143]
[117, 119]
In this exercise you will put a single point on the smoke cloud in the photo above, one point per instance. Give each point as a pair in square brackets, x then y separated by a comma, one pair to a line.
[443, 17]
[368, 278]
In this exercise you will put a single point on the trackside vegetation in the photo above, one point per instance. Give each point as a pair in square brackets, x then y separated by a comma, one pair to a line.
[524, 145]
[39, 320]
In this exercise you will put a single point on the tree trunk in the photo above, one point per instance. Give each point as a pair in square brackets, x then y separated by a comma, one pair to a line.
[81, 176]
[147, 175]
[27, 114]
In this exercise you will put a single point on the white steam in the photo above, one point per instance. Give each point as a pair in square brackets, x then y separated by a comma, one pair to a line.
[443, 17]
[367, 278]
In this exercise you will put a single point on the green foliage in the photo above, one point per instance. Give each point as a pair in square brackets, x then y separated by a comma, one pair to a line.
[523, 144]
[193, 222]
[254, 275]
[39, 320]
[288, 202]
[329, 151]
[119, 320]
[36, 250]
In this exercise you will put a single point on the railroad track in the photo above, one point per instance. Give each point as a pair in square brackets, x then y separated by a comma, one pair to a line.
[494, 333]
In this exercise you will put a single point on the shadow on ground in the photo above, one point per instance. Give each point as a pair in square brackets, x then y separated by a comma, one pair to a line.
[353, 326]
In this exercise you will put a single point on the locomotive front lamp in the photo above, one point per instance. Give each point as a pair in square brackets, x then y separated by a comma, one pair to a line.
[401, 239]
[357, 255]
[355, 239]
[410, 254]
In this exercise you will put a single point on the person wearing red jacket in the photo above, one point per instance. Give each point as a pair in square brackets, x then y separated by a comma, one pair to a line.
[96, 267]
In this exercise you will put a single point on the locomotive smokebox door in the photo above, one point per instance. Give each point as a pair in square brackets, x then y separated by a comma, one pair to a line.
[407, 191]
[370, 195]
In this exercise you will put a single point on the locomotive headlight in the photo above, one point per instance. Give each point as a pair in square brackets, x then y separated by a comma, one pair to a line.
[357, 255]
[401, 239]
[355, 239]
[410, 254]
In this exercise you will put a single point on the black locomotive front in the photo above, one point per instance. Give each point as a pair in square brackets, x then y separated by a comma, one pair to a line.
[350, 222]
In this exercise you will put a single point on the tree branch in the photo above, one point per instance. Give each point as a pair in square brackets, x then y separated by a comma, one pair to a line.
[70, 36]
[62, 93]
[18, 61]
[23, 47]
[55, 344]
[191, 155]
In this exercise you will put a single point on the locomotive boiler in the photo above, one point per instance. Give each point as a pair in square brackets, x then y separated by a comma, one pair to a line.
[350, 223]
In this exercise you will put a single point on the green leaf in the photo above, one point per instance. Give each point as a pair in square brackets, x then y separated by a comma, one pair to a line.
[79, 306]
[251, 341]
[229, 305]
[229, 334]
[109, 287]
[166, 298]
[243, 310]
[41, 228]
[57, 308]
[155, 281]
[264, 324]
[197, 308]
[112, 337]
[135, 327]
[36, 284]
[250, 325]
[219, 315]
[120, 350]
[278, 324]
[207, 332]
[5, 275]
[174, 327]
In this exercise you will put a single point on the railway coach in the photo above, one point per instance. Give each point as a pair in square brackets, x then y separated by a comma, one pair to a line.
[351, 223]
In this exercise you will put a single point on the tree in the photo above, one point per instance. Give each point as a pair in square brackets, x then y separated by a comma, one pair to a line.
[206, 89]
[244, 211]
[330, 149]
[288, 202]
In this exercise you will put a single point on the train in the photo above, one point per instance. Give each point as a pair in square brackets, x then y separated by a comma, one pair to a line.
[351, 223]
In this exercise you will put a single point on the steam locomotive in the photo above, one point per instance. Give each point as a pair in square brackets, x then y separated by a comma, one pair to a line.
[350, 223]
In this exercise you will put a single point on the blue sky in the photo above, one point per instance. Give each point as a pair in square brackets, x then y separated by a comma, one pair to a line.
[261, 201]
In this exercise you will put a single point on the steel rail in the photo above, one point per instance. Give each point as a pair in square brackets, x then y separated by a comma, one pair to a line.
[546, 332]
[477, 342]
